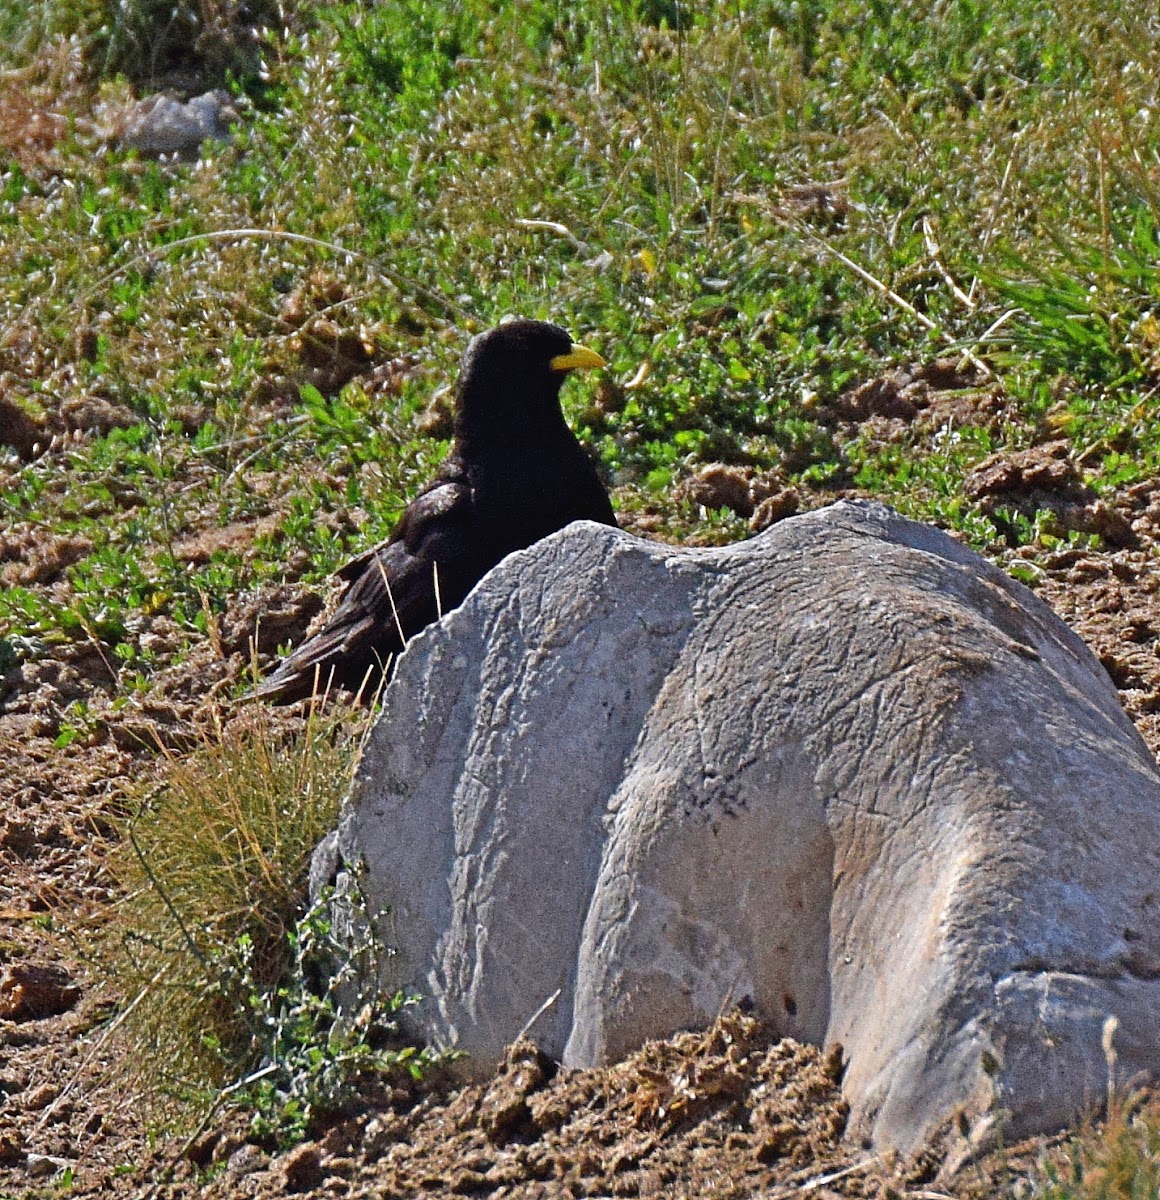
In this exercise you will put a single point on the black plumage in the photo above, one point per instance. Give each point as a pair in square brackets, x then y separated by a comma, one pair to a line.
[515, 474]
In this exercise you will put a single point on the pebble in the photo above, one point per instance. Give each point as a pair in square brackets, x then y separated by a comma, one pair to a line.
[41, 1165]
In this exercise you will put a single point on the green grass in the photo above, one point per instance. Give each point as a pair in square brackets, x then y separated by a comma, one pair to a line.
[1119, 1160]
[631, 180]
[211, 947]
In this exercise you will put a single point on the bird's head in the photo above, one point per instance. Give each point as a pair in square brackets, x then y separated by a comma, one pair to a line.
[515, 371]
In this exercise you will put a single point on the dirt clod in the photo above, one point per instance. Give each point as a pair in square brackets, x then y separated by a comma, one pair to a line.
[775, 508]
[20, 430]
[720, 486]
[93, 415]
[1044, 483]
[31, 991]
[888, 396]
[11, 1149]
[302, 1168]
[269, 618]
[745, 491]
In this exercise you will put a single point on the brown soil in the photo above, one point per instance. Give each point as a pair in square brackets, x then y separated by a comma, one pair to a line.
[729, 1112]
[725, 1113]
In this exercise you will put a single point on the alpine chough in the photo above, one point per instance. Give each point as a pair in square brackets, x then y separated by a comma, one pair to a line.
[515, 474]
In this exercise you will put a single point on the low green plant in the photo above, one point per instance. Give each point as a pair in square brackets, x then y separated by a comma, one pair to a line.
[1088, 309]
[322, 1035]
[1119, 1160]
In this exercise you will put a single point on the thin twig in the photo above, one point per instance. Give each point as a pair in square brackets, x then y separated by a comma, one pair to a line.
[559, 229]
[935, 252]
[185, 1148]
[269, 445]
[403, 284]
[80, 1072]
[538, 1014]
[795, 1188]
[91, 634]
[997, 324]
[391, 598]
[992, 217]
[194, 948]
[255, 439]
[992, 329]
[872, 280]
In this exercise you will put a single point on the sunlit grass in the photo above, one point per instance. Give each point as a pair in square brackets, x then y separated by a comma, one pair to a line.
[747, 215]
[214, 858]
[1118, 1159]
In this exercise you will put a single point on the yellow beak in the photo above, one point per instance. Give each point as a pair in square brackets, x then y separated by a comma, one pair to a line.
[579, 358]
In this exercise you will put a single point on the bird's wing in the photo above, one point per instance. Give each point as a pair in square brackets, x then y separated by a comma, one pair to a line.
[434, 521]
[435, 524]
[393, 584]
[391, 594]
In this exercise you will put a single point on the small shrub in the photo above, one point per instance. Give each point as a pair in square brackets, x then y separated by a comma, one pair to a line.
[321, 1045]
[1117, 1161]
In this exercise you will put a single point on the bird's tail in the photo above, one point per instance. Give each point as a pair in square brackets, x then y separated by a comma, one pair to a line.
[315, 669]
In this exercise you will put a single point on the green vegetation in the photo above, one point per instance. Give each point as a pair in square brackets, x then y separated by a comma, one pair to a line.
[322, 1034]
[748, 209]
[709, 200]
[1120, 1161]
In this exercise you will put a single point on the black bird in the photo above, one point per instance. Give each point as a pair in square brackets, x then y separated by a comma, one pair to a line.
[515, 474]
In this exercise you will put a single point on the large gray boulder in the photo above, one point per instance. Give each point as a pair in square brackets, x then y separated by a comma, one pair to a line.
[847, 769]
